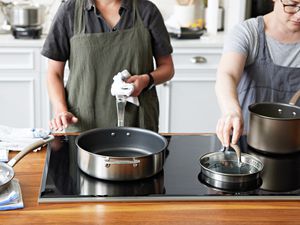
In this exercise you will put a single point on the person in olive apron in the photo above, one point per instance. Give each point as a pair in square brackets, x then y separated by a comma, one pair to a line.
[260, 63]
[99, 39]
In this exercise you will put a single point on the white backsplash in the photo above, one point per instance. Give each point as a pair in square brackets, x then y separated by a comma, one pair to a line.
[53, 6]
[165, 6]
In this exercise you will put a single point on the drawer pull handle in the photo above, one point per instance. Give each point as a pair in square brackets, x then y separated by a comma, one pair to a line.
[198, 59]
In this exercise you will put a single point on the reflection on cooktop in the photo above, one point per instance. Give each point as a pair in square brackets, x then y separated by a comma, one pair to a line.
[234, 188]
[180, 179]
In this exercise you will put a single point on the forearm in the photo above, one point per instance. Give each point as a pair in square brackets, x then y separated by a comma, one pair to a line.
[55, 85]
[164, 70]
[226, 91]
[228, 77]
[56, 93]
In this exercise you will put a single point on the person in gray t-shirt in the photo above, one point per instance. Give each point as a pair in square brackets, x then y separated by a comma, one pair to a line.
[260, 62]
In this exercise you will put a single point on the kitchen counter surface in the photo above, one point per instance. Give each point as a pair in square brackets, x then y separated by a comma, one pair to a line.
[29, 172]
[206, 41]
[7, 40]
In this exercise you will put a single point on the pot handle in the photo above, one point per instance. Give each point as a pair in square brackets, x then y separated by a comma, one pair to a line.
[295, 98]
[237, 150]
[134, 162]
[29, 148]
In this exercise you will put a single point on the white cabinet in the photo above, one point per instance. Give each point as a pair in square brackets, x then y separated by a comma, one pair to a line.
[188, 102]
[20, 83]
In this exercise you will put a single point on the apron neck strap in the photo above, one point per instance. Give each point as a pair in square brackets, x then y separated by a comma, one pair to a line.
[136, 16]
[79, 24]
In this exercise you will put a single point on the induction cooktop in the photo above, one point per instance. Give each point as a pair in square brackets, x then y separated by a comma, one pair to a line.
[180, 180]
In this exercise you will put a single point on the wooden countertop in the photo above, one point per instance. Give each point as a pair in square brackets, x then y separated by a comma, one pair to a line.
[29, 172]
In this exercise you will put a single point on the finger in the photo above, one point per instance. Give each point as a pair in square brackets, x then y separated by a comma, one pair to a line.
[53, 125]
[59, 122]
[64, 121]
[131, 79]
[50, 125]
[227, 131]
[137, 89]
[74, 119]
[237, 130]
[235, 135]
[219, 130]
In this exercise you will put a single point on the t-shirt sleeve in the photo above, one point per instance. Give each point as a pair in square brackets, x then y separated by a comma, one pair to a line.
[57, 43]
[243, 38]
[160, 38]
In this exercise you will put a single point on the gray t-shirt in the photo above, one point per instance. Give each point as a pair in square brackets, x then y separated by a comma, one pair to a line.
[57, 44]
[243, 38]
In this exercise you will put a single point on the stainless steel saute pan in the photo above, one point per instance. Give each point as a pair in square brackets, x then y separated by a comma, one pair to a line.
[121, 153]
[6, 170]
[275, 127]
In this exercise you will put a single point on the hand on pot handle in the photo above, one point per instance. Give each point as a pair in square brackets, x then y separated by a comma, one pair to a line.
[228, 124]
[62, 120]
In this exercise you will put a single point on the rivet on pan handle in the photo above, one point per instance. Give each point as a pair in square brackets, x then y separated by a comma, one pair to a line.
[134, 162]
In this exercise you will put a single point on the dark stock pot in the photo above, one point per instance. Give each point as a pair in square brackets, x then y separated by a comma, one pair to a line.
[121, 153]
[275, 127]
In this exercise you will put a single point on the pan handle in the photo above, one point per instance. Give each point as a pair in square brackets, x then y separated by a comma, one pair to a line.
[237, 150]
[121, 104]
[295, 98]
[29, 148]
[134, 162]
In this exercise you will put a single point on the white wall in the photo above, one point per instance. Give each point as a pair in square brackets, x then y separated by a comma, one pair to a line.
[235, 12]
[52, 5]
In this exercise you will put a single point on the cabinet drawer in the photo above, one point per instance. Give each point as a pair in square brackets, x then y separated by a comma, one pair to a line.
[195, 74]
[17, 59]
[197, 58]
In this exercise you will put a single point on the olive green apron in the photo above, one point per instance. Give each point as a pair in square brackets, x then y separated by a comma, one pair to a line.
[94, 59]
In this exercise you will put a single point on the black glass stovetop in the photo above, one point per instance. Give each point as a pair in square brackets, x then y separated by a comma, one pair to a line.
[181, 178]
